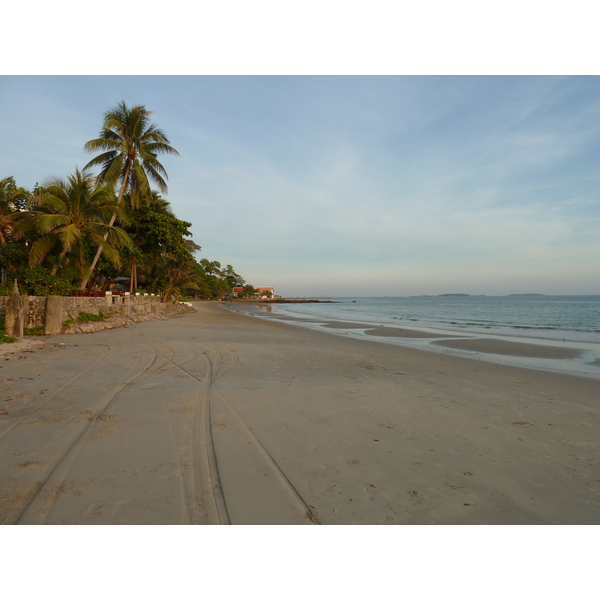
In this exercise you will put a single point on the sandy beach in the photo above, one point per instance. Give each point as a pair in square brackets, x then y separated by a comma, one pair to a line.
[217, 418]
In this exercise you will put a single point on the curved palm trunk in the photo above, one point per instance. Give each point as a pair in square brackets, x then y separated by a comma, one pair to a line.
[110, 224]
[54, 269]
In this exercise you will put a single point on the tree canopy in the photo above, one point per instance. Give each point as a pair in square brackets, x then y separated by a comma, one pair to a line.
[98, 230]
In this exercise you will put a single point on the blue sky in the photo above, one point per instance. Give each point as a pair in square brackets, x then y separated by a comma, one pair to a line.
[353, 185]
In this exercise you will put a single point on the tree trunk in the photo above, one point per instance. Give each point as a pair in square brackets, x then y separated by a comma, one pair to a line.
[97, 257]
[112, 222]
[54, 269]
[133, 279]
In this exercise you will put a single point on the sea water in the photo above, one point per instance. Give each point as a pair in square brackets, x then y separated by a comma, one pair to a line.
[572, 321]
[560, 318]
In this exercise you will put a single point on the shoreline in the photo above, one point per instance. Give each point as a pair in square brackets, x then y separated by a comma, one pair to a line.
[217, 417]
[580, 359]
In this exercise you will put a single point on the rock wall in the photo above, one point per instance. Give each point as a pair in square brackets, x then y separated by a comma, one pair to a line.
[127, 309]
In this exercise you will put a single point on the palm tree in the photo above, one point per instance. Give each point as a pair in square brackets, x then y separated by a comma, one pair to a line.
[130, 144]
[180, 274]
[11, 199]
[72, 211]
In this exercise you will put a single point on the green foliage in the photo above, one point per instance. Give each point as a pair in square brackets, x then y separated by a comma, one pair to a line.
[85, 317]
[12, 202]
[180, 275]
[38, 330]
[249, 292]
[55, 237]
[14, 254]
[72, 211]
[158, 232]
[38, 281]
[215, 282]
[7, 339]
[129, 144]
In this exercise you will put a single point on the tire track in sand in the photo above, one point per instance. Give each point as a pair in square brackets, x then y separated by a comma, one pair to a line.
[70, 449]
[203, 479]
[52, 396]
[304, 507]
[220, 360]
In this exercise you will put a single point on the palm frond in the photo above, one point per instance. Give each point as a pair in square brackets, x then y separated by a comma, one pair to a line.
[161, 146]
[119, 237]
[102, 158]
[140, 190]
[46, 223]
[69, 235]
[107, 248]
[156, 176]
[151, 160]
[108, 210]
[40, 248]
[134, 143]
[108, 140]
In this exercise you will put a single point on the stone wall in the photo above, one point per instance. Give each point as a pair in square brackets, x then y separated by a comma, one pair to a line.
[113, 306]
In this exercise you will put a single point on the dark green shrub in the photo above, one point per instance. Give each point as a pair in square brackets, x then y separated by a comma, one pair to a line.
[39, 330]
[6, 339]
[37, 281]
[85, 317]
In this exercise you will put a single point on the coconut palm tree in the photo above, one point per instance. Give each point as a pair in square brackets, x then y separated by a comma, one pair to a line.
[130, 144]
[71, 211]
[11, 199]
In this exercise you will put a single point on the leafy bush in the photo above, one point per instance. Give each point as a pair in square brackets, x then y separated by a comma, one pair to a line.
[6, 339]
[85, 317]
[39, 330]
[37, 281]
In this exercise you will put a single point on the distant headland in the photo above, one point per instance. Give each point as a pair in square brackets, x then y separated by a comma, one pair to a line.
[469, 295]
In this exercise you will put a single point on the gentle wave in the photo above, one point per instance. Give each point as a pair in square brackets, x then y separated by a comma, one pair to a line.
[574, 318]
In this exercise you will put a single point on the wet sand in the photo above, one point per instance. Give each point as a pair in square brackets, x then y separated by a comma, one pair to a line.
[218, 417]
[380, 331]
[402, 333]
[494, 346]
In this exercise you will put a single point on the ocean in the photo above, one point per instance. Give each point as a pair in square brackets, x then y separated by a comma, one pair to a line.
[538, 319]
[571, 318]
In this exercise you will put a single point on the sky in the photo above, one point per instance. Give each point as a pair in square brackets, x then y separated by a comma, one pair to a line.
[326, 149]
[353, 185]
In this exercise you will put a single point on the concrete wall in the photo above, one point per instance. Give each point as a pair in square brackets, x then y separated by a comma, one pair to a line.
[122, 306]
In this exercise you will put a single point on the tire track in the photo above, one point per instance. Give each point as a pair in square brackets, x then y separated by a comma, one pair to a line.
[192, 482]
[204, 480]
[11, 427]
[311, 516]
[220, 360]
[233, 360]
[74, 443]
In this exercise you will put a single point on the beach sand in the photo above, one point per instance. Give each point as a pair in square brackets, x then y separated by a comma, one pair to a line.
[217, 417]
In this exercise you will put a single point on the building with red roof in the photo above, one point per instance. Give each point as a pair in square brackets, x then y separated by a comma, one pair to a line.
[261, 292]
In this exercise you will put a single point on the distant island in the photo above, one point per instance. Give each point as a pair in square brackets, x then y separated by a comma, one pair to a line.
[445, 295]
[526, 294]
